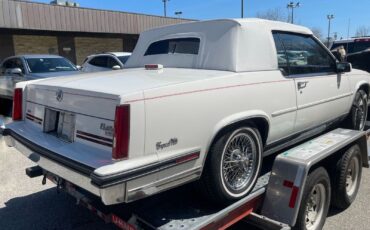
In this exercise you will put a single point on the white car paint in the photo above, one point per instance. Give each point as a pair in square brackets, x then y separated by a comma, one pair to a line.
[87, 67]
[191, 99]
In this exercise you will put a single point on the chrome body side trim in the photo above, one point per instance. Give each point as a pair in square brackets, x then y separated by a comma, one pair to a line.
[289, 110]
[283, 111]
[324, 101]
[163, 184]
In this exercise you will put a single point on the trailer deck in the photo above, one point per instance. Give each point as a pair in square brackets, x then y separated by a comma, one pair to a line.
[183, 208]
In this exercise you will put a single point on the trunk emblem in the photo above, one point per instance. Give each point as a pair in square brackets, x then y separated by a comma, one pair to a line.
[59, 95]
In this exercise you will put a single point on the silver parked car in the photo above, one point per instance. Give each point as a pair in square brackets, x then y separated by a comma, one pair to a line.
[105, 61]
[31, 67]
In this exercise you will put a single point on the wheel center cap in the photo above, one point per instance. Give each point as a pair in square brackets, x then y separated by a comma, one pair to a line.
[237, 155]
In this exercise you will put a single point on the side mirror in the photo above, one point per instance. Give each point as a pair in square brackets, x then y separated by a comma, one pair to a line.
[344, 67]
[116, 67]
[16, 71]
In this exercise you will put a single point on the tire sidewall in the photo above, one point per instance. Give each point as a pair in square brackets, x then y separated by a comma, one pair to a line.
[217, 161]
[342, 173]
[318, 176]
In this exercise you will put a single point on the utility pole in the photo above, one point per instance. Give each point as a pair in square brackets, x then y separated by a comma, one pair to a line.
[349, 27]
[242, 8]
[330, 17]
[165, 7]
[293, 5]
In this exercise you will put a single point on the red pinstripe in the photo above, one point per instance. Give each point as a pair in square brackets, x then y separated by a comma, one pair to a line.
[205, 90]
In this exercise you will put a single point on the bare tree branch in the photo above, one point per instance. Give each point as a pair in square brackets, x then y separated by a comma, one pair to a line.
[273, 14]
[318, 33]
[362, 31]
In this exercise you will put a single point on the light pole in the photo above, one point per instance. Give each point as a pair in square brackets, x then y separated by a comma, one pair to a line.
[293, 5]
[178, 13]
[329, 17]
[165, 7]
[242, 8]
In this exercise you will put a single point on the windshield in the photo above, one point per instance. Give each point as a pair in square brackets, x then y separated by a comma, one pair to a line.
[49, 65]
[124, 59]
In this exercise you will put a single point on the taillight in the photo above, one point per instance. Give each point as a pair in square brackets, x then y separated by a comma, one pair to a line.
[17, 104]
[121, 132]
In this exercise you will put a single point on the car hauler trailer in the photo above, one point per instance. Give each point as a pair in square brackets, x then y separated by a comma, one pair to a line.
[296, 192]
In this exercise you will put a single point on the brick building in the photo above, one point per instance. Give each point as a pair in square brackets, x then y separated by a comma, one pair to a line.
[73, 32]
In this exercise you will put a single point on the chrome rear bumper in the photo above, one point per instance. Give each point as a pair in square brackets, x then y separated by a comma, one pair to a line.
[124, 187]
[109, 195]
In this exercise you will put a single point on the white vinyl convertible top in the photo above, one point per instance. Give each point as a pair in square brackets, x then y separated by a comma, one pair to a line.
[236, 45]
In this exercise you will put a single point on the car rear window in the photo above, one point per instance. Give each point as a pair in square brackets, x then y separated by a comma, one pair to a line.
[174, 46]
[48, 65]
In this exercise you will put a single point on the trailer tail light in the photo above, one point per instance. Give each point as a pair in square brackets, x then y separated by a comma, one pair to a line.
[121, 138]
[17, 104]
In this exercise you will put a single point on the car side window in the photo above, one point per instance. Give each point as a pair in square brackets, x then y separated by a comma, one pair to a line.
[281, 55]
[18, 64]
[350, 47]
[112, 62]
[99, 61]
[7, 65]
[305, 55]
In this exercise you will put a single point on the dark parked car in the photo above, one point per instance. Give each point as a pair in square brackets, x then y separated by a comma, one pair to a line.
[358, 51]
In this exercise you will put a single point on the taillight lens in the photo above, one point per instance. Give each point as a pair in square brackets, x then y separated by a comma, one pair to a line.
[17, 104]
[121, 132]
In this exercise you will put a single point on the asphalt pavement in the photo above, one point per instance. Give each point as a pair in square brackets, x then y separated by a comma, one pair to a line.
[27, 204]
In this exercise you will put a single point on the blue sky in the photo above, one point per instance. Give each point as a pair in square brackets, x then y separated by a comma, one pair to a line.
[312, 13]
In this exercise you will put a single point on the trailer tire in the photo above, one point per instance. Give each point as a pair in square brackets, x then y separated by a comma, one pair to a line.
[215, 183]
[347, 178]
[315, 201]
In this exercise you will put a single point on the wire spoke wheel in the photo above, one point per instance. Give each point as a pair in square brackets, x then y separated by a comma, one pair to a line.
[360, 113]
[239, 161]
[233, 165]
[315, 207]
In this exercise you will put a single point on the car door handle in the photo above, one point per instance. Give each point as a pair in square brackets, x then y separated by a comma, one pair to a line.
[302, 85]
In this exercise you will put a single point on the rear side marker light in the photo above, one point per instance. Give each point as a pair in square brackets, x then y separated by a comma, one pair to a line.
[187, 158]
[17, 104]
[121, 138]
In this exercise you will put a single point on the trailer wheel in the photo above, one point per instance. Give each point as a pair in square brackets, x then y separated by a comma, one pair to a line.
[233, 166]
[315, 201]
[347, 178]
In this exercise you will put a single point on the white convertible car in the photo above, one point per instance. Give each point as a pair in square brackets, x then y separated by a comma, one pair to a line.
[204, 100]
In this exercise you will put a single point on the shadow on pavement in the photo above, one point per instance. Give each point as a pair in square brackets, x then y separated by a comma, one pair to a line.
[48, 210]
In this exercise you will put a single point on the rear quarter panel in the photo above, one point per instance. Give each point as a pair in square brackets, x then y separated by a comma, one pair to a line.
[194, 112]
